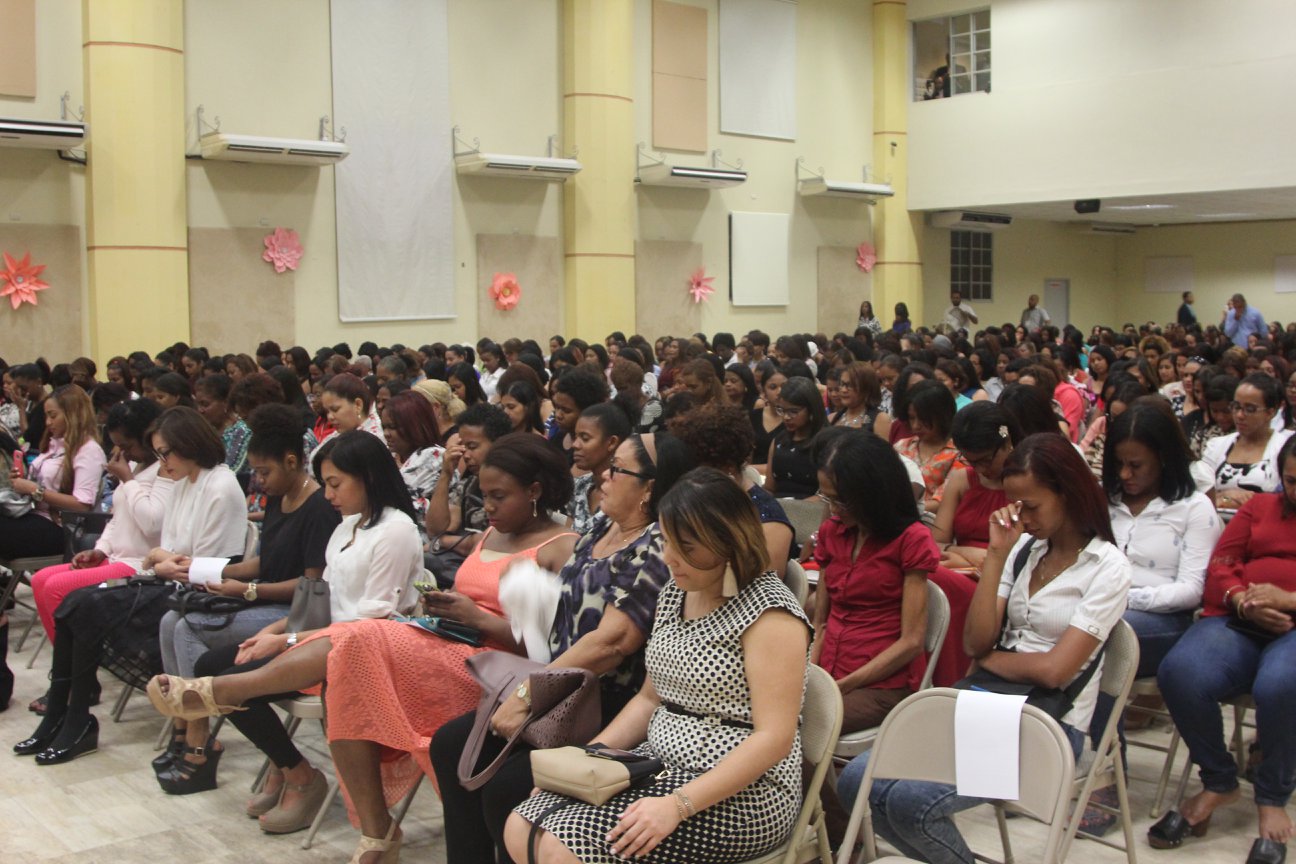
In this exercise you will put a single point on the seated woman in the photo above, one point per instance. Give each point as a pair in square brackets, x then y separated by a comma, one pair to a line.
[444, 404]
[414, 438]
[465, 384]
[212, 401]
[521, 402]
[931, 416]
[950, 374]
[65, 476]
[985, 435]
[139, 505]
[206, 517]
[861, 396]
[740, 386]
[1242, 644]
[1200, 426]
[732, 784]
[574, 389]
[790, 472]
[1056, 533]
[765, 419]
[169, 389]
[874, 556]
[349, 405]
[296, 528]
[630, 381]
[605, 612]
[699, 379]
[1237, 466]
[719, 436]
[600, 431]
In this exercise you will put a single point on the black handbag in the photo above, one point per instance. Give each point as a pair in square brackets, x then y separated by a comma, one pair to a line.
[191, 600]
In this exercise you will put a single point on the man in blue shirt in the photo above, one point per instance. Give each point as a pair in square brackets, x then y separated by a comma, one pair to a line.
[1241, 320]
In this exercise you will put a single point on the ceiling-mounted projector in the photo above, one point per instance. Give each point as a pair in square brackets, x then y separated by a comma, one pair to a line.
[41, 134]
[843, 189]
[697, 178]
[281, 151]
[525, 167]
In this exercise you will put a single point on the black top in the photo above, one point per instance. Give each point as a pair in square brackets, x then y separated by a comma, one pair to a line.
[795, 475]
[1187, 315]
[292, 543]
[35, 423]
[760, 452]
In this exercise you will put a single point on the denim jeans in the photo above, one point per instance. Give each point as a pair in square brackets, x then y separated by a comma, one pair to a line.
[1212, 662]
[184, 640]
[917, 817]
[1157, 633]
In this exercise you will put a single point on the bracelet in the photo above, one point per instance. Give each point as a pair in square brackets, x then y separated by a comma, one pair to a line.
[682, 803]
[1228, 593]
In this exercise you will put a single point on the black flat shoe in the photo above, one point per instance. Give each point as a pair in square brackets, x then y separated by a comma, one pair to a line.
[86, 742]
[186, 778]
[169, 756]
[1170, 831]
[35, 744]
[1267, 852]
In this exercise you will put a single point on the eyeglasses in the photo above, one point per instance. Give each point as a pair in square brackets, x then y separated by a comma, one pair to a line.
[617, 469]
[163, 453]
[835, 503]
[981, 461]
[1236, 407]
[788, 412]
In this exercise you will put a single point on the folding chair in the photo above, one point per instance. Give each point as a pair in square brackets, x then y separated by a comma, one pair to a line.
[806, 516]
[794, 577]
[1148, 687]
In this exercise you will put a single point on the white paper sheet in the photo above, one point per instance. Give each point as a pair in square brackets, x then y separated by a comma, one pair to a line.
[987, 740]
[206, 571]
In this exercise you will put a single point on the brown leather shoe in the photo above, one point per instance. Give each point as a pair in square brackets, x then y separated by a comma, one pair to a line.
[286, 820]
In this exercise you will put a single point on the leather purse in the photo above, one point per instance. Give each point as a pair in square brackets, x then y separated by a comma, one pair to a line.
[565, 708]
[591, 774]
[191, 600]
[310, 608]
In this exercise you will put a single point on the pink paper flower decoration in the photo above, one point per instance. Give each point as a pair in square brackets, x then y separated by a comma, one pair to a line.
[865, 257]
[700, 285]
[283, 249]
[20, 281]
[505, 291]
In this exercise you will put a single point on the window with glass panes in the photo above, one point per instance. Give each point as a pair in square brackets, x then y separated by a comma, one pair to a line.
[969, 40]
[971, 264]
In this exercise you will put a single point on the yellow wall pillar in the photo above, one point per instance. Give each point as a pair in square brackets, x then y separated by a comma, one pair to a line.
[136, 236]
[897, 276]
[599, 214]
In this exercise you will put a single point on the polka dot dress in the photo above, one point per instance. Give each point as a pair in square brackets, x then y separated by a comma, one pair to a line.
[698, 665]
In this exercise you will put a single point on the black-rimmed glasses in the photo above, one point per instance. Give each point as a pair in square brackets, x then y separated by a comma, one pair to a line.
[617, 469]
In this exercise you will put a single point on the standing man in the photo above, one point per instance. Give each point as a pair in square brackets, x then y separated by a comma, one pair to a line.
[1187, 317]
[1034, 317]
[1241, 321]
[959, 315]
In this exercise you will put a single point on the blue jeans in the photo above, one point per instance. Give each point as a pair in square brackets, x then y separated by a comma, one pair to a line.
[1157, 633]
[917, 817]
[1212, 663]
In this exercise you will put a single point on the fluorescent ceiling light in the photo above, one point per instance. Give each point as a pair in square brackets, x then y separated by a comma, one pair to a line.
[1139, 207]
[1225, 215]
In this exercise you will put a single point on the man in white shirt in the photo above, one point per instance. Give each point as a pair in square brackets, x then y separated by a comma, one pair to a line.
[959, 316]
[1034, 317]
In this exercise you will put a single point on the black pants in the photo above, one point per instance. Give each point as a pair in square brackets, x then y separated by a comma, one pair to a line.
[29, 536]
[474, 821]
[260, 723]
[73, 673]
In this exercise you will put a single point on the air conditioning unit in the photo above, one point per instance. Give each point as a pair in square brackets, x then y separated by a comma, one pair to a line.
[1108, 228]
[281, 151]
[842, 189]
[41, 134]
[524, 167]
[970, 220]
[694, 178]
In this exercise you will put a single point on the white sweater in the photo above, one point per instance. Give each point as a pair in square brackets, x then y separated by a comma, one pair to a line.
[139, 508]
[207, 517]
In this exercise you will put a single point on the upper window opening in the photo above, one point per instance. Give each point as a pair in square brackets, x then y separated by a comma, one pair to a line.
[952, 55]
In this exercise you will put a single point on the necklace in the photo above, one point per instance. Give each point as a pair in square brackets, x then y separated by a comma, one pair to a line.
[296, 502]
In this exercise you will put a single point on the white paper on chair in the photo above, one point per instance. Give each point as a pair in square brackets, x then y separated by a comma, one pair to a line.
[206, 571]
[987, 739]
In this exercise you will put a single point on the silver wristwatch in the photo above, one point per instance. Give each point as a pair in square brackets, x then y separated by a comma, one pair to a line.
[292, 639]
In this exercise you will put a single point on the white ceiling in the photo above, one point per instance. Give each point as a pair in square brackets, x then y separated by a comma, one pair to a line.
[1238, 205]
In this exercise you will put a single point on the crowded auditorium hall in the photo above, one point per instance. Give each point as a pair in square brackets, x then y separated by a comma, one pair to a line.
[680, 431]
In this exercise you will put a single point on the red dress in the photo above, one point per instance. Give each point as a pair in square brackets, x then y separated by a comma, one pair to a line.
[972, 516]
[396, 684]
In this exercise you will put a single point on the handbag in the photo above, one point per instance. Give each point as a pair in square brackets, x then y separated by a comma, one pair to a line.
[310, 608]
[1250, 629]
[1054, 701]
[191, 600]
[592, 774]
[14, 505]
[565, 708]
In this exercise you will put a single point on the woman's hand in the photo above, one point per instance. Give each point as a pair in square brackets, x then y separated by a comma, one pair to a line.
[1005, 528]
[452, 605]
[88, 558]
[228, 588]
[261, 645]
[174, 567]
[118, 466]
[453, 452]
[1268, 595]
[1232, 499]
[643, 825]
[1267, 618]
[23, 486]
[509, 716]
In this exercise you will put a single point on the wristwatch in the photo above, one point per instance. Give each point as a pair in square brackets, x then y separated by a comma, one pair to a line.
[38, 494]
[292, 639]
[524, 693]
[250, 594]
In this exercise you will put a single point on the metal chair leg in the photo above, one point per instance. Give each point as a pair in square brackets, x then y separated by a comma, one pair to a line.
[31, 661]
[164, 737]
[119, 707]
[405, 803]
[319, 817]
[1163, 782]
[22, 640]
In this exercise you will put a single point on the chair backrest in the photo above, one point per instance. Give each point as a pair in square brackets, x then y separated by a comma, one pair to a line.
[821, 716]
[1120, 661]
[252, 541]
[938, 620]
[916, 742]
[794, 577]
[806, 516]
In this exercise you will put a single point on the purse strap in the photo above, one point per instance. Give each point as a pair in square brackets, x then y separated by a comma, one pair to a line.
[538, 825]
[477, 739]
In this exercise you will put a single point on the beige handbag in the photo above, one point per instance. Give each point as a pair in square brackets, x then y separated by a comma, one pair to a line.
[592, 774]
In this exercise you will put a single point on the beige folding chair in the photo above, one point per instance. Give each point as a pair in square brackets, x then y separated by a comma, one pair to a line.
[821, 721]
[1240, 704]
[1148, 687]
[938, 618]
[916, 742]
[22, 568]
[806, 516]
[794, 577]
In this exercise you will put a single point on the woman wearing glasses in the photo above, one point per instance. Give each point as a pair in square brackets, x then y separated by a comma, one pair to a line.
[1235, 467]
[791, 469]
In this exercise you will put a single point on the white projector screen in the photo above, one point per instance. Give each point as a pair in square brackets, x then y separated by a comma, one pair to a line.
[758, 258]
[758, 68]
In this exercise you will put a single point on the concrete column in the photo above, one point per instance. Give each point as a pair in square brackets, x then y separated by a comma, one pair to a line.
[136, 232]
[897, 276]
[599, 208]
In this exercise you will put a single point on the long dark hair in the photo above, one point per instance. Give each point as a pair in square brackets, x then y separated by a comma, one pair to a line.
[363, 456]
[1150, 422]
[1056, 464]
[871, 481]
[467, 376]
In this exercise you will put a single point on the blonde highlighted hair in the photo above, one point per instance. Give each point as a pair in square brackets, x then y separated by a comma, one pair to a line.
[707, 508]
[80, 427]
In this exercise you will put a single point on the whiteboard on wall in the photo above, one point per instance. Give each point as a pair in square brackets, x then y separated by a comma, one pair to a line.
[1168, 275]
[1285, 274]
[758, 258]
[758, 68]
[391, 91]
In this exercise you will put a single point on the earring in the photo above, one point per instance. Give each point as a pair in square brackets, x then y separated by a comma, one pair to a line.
[535, 511]
[729, 588]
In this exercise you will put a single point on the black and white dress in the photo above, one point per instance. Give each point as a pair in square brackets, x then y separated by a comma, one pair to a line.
[697, 669]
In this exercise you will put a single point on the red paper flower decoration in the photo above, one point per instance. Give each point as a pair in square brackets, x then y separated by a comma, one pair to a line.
[20, 281]
[700, 285]
[283, 249]
[505, 291]
[865, 257]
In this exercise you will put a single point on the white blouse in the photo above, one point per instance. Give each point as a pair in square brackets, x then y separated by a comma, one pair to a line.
[1168, 546]
[371, 571]
[1089, 596]
[139, 508]
[1213, 470]
[207, 517]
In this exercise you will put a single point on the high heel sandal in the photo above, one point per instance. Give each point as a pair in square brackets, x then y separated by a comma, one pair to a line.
[1170, 830]
[169, 756]
[389, 846]
[263, 801]
[171, 703]
[185, 777]
[286, 820]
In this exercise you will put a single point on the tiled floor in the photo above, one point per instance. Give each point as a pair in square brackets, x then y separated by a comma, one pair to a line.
[106, 808]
